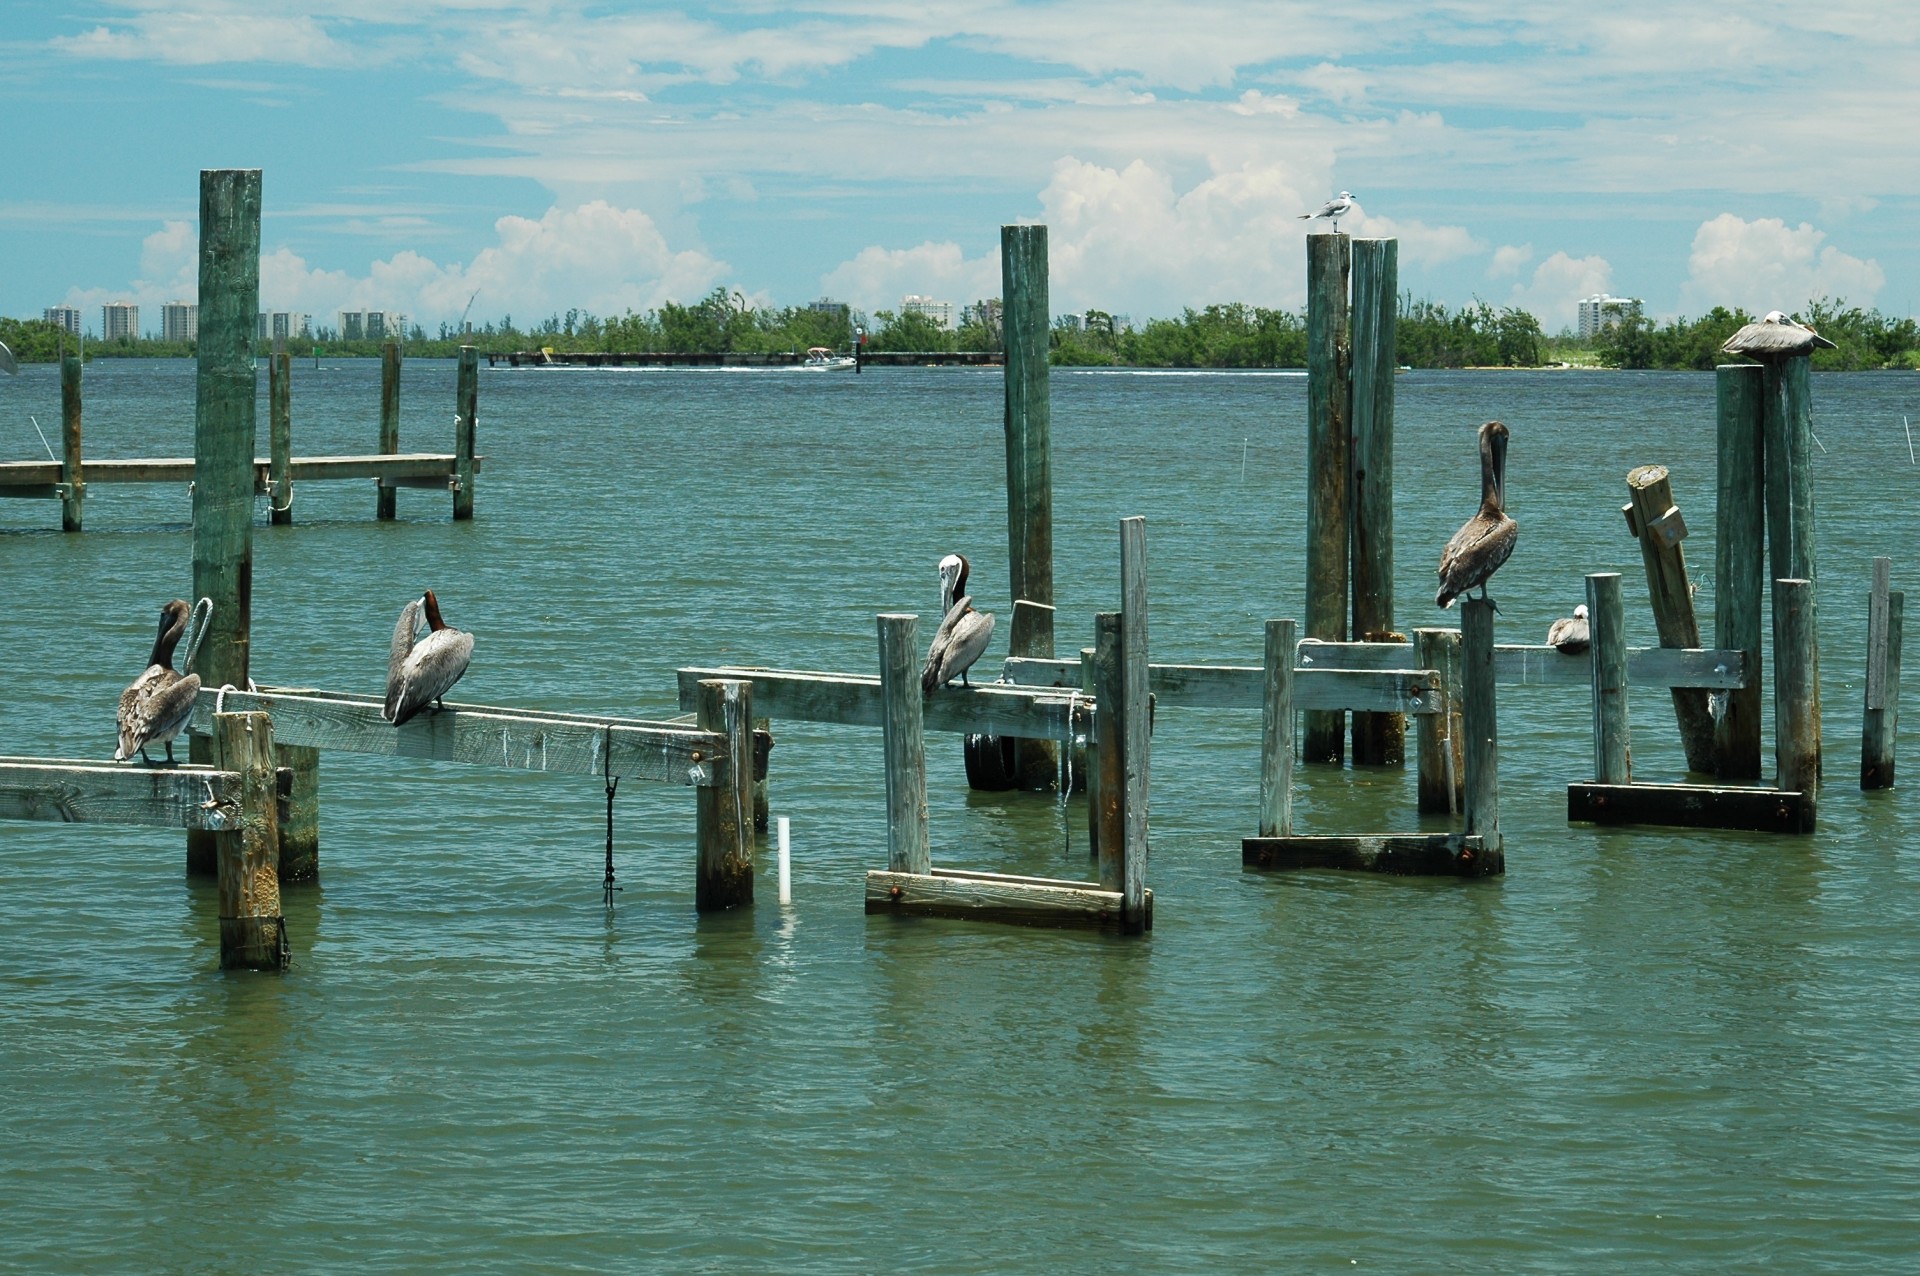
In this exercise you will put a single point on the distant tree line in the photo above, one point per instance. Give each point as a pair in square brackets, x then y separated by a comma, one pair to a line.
[1864, 339]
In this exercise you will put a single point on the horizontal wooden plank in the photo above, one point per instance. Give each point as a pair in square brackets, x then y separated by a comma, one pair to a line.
[995, 897]
[854, 700]
[1402, 854]
[1243, 686]
[191, 797]
[485, 735]
[1534, 664]
[31, 491]
[404, 465]
[1703, 806]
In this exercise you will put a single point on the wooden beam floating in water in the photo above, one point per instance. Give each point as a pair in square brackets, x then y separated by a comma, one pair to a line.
[1691, 806]
[997, 897]
[1398, 854]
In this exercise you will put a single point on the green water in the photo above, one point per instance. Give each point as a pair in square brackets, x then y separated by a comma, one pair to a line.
[1638, 1050]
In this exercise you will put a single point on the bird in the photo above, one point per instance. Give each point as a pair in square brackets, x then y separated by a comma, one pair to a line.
[963, 634]
[420, 673]
[1570, 633]
[157, 705]
[8, 364]
[1333, 210]
[1775, 336]
[1486, 540]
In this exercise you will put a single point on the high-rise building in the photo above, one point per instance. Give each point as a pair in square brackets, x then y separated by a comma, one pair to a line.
[68, 317]
[371, 325]
[1602, 311]
[940, 313]
[283, 325]
[180, 321]
[119, 320]
[984, 313]
[829, 307]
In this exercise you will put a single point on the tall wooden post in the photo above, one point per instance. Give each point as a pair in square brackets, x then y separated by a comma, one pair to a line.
[1479, 722]
[1440, 737]
[1027, 325]
[1740, 567]
[1329, 401]
[1106, 793]
[280, 435]
[1655, 521]
[224, 438]
[1796, 719]
[1276, 733]
[73, 504]
[253, 933]
[1607, 618]
[1136, 719]
[1379, 739]
[723, 814]
[1879, 724]
[903, 736]
[300, 831]
[390, 418]
[466, 407]
[1790, 536]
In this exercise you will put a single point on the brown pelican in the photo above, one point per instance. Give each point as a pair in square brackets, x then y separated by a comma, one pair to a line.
[1485, 540]
[158, 704]
[419, 674]
[1570, 633]
[963, 634]
[1775, 337]
[1333, 210]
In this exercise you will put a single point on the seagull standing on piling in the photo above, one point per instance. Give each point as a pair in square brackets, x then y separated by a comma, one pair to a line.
[1775, 337]
[963, 634]
[1570, 633]
[1333, 210]
[157, 705]
[420, 673]
[1486, 540]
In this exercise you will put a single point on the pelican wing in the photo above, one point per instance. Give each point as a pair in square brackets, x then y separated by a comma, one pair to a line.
[170, 708]
[428, 672]
[1570, 634]
[154, 709]
[966, 643]
[1475, 553]
[403, 632]
[133, 715]
[1770, 340]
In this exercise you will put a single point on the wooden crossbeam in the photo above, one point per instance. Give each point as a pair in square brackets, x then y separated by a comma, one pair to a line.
[1692, 806]
[1002, 897]
[194, 797]
[1384, 690]
[854, 700]
[484, 735]
[1404, 854]
[400, 469]
[1533, 665]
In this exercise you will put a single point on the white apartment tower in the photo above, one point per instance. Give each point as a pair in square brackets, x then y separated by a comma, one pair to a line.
[1602, 311]
[180, 321]
[119, 319]
[68, 317]
[938, 312]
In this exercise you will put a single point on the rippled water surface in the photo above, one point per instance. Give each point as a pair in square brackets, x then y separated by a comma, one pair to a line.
[1640, 1049]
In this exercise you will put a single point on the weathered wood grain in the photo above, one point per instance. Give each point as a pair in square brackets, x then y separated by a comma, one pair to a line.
[1440, 737]
[903, 740]
[1535, 664]
[1244, 686]
[1378, 739]
[389, 422]
[183, 797]
[1650, 490]
[1880, 726]
[1136, 722]
[1739, 558]
[1401, 854]
[1329, 474]
[1480, 724]
[1107, 794]
[280, 436]
[723, 814]
[1691, 806]
[997, 897]
[854, 700]
[1796, 709]
[252, 931]
[1276, 733]
[465, 425]
[1607, 621]
[72, 469]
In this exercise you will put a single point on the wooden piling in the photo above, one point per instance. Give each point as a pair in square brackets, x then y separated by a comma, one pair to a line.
[466, 408]
[1479, 724]
[300, 831]
[1087, 759]
[1026, 325]
[1439, 737]
[1885, 612]
[1789, 481]
[280, 435]
[1739, 560]
[1136, 719]
[1607, 621]
[253, 933]
[390, 419]
[1796, 718]
[223, 439]
[903, 735]
[1655, 522]
[72, 475]
[1276, 733]
[762, 809]
[1379, 739]
[722, 814]
[1329, 485]
[1106, 793]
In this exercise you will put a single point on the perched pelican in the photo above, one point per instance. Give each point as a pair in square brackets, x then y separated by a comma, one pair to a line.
[1485, 540]
[1333, 210]
[1569, 633]
[155, 708]
[963, 634]
[1775, 337]
[419, 674]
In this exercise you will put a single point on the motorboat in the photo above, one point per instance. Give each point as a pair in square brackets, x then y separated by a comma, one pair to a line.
[821, 359]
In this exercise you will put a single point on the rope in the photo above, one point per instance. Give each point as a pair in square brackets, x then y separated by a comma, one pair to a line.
[1066, 772]
[613, 783]
[43, 437]
[281, 509]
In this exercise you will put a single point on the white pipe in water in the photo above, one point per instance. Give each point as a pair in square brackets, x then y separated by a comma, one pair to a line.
[786, 866]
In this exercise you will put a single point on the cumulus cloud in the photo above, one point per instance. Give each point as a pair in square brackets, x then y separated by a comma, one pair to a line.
[1767, 265]
[210, 37]
[877, 278]
[1557, 284]
[1508, 259]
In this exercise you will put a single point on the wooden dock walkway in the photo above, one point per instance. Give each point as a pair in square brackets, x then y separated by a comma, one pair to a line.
[734, 359]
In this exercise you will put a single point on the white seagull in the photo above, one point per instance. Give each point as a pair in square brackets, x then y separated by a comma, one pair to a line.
[1333, 210]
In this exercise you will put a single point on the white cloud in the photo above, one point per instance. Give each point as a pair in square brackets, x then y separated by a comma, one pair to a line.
[1766, 265]
[1559, 282]
[877, 278]
[1420, 243]
[210, 37]
[1508, 260]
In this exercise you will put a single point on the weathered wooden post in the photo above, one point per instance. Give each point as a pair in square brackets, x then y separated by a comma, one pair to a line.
[1739, 560]
[1885, 612]
[300, 831]
[1479, 723]
[390, 418]
[722, 813]
[1607, 617]
[1276, 733]
[1136, 719]
[1329, 482]
[903, 736]
[761, 806]
[253, 934]
[1439, 737]
[1089, 757]
[1796, 720]
[1026, 324]
[1107, 790]
[1790, 537]
[467, 407]
[73, 504]
[280, 435]
[223, 439]
[1655, 522]
[1379, 739]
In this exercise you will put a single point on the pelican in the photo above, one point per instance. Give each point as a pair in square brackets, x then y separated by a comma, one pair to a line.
[1775, 337]
[963, 634]
[1569, 633]
[1485, 540]
[419, 674]
[158, 703]
[1333, 210]
[8, 364]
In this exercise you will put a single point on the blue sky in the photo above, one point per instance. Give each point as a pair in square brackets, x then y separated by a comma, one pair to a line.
[552, 154]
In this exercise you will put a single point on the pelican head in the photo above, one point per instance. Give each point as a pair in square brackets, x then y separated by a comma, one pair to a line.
[1775, 316]
[953, 580]
[1493, 464]
[1580, 612]
[431, 606]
